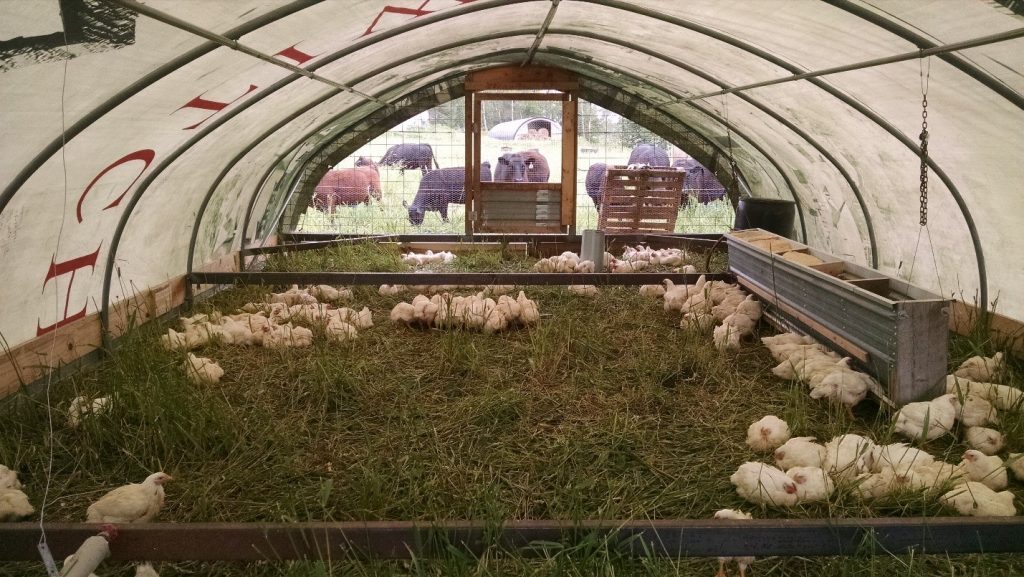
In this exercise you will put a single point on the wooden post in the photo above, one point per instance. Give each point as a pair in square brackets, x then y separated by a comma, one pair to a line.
[569, 142]
[472, 182]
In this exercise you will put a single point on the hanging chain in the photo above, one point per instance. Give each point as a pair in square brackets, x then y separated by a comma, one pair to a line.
[924, 145]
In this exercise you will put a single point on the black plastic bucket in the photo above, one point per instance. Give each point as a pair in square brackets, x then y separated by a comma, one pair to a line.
[772, 214]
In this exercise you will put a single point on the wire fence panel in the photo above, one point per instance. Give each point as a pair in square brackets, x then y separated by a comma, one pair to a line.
[410, 179]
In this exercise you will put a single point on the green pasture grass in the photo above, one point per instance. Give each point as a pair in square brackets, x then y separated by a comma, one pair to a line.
[605, 410]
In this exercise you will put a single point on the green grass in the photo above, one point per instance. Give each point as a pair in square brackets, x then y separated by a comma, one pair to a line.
[605, 410]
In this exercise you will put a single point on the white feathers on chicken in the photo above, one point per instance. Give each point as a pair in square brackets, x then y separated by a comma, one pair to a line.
[974, 411]
[14, 505]
[975, 499]
[981, 369]
[585, 290]
[847, 456]
[900, 457]
[988, 470]
[988, 441]
[9, 478]
[1015, 463]
[926, 419]
[767, 433]
[812, 484]
[82, 407]
[202, 371]
[134, 503]
[652, 290]
[799, 452]
[763, 484]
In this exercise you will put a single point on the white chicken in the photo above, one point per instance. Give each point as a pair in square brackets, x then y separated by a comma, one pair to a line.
[767, 433]
[984, 469]
[988, 441]
[9, 478]
[847, 456]
[936, 476]
[145, 570]
[900, 457]
[82, 407]
[843, 385]
[14, 505]
[529, 315]
[799, 452]
[974, 411]
[725, 337]
[340, 331]
[585, 290]
[652, 290]
[1015, 462]
[134, 503]
[1005, 397]
[743, 562]
[786, 339]
[701, 321]
[926, 419]
[202, 371]
[812, 484]
[869, 486]
[977, 500]
[763, 484]
[981, 369]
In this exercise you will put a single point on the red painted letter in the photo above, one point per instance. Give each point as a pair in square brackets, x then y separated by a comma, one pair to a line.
[293, 53]
[61, 268]
[145, 155]
[204, 104]
[414, 12]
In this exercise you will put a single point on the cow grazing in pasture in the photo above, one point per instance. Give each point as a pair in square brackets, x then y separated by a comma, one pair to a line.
[439, 188]
[648, 154]
[595, 182]
[523, 166]
[348, 186]
[410, 156]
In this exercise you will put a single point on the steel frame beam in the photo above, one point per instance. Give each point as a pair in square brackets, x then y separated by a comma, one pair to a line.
[447, 278]
[670, 538]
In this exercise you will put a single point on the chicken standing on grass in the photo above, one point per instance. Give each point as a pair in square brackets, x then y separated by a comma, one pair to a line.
[767, 434]
[743, 562]
[134, 503]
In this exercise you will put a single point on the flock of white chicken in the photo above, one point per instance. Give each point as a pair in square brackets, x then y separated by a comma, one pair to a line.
[473, 312]
[805, 471]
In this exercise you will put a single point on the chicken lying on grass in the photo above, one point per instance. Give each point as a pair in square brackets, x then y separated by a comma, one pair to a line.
[982, 369]
[83, 407]
[975, 499]
[767, 433]
[134, 503]
[763, 484]
[926, 420]
[984, 469]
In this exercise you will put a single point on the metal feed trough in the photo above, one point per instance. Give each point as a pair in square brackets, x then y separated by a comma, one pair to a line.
[894, 330]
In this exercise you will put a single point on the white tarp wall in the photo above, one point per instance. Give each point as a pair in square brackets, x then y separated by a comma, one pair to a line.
[163, 129]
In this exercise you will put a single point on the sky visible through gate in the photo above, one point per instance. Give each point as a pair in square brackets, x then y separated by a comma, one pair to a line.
[604, 137]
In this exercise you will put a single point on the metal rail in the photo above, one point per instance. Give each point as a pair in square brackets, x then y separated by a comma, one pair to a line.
[446, 278]
[672, 538]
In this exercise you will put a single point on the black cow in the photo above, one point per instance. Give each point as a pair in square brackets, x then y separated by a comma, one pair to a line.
[648, 154]
[410, 156]
[439, 188]
[523, 166]
[700, 182]
[595, 182]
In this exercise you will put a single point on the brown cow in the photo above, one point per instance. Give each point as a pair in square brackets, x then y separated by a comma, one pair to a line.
[348, 186]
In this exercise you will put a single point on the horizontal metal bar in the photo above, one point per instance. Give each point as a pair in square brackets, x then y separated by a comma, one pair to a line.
[408, 539]
[498, 237]
[312, 245]
[442, 278]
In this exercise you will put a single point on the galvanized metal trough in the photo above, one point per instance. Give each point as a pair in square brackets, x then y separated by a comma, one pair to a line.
[895, 331]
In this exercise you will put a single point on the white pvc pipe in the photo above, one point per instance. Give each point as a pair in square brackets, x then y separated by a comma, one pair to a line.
[90, 554]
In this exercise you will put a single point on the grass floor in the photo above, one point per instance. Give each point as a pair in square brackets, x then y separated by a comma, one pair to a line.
[605, 410]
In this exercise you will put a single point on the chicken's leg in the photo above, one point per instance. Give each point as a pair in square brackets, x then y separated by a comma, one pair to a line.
[721, 569]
